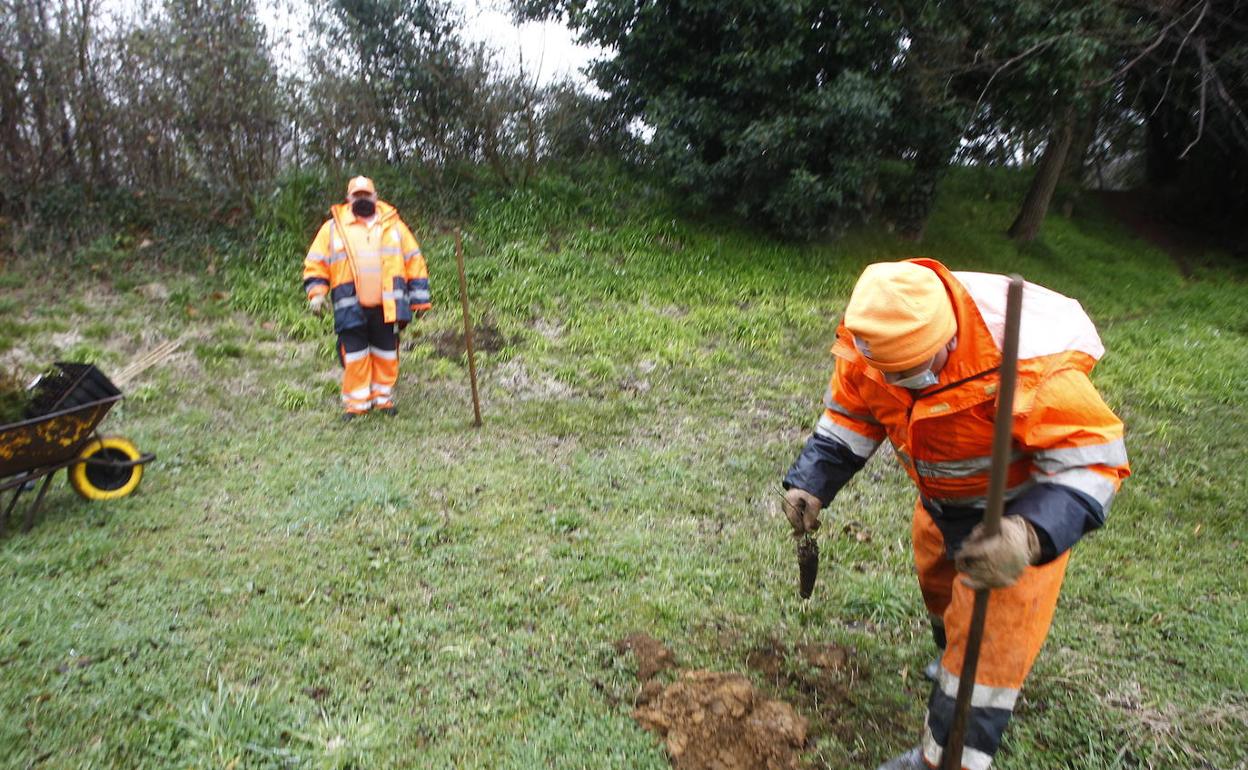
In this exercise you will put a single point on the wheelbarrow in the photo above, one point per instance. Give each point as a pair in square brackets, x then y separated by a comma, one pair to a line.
[59, 432]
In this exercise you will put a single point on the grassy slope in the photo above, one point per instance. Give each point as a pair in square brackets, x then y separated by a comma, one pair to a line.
[286, 591]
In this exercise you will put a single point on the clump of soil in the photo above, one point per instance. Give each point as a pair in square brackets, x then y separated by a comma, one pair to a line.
[449, 343]
[652, 657]
[717, 721]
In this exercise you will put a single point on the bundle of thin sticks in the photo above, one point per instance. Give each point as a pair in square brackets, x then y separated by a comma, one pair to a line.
[146, 361]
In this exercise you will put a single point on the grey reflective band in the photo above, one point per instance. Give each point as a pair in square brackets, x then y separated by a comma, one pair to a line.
[1089, 482]
[857, 443]
[979, 501]
[420, 296]
[972, 758]
[369, 269]
[370, 253]
[831, 403]
[902, 456]
[356, 356]
[960, 469]
[346, 302]
[316, 256]
[982, 696]
[410, 254]
[1112, 454]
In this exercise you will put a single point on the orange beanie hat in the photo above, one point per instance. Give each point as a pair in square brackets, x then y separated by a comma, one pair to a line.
[900, 315]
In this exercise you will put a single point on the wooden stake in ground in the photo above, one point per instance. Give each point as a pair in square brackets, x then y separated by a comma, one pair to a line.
[992, 518]
[463, 300]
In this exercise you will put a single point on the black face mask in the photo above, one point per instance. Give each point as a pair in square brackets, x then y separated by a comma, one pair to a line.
[363, 207]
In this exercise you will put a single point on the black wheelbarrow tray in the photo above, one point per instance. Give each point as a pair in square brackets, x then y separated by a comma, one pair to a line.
[60, 432]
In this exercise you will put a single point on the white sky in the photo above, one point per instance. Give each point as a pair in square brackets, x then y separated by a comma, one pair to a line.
[547, 49]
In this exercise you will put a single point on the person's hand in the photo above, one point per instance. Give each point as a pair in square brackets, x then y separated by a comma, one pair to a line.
[996, 562]
[801, 508]
[317, 304]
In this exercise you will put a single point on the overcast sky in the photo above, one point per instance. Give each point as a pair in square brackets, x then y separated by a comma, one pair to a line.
[549, 50]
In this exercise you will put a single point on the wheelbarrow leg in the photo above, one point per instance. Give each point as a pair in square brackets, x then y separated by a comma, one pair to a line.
[8, 509]
[34, 507]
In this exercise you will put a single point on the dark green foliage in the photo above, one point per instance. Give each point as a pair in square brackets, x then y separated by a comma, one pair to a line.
[779, 111]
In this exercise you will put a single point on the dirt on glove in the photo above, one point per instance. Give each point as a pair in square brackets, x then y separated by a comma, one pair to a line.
[717, 721]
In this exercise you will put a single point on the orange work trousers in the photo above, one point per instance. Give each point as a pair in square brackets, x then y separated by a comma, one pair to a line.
[370, 363]
[1018, 620]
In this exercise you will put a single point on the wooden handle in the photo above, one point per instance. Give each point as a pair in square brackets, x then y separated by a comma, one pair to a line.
[1002, 426]
[463, 301]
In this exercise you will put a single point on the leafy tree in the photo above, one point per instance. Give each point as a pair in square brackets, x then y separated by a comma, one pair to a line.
[778, 109]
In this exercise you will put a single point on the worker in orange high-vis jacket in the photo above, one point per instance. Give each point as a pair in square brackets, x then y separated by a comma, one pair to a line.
[917, 362]
[367, 265]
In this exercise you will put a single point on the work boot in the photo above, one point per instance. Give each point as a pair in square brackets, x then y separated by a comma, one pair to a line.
[349, 416]
[389, 411]
[911, 760]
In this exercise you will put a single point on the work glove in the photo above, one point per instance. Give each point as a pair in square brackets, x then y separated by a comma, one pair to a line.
[801, 508]
[996, 562]
[317, 304]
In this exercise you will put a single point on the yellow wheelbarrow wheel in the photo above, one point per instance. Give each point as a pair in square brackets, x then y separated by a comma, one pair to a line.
[102, 480]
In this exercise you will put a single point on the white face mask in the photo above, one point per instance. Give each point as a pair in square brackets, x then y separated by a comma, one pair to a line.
[924, 379]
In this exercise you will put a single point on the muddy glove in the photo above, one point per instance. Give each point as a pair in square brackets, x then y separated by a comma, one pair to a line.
[317, 304]
[996, 562]
[802, 510]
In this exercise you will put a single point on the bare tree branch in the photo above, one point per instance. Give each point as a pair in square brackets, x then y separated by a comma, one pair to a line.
[1005, 65]
[1174, 61]
[1161, 38]
[1204, 87]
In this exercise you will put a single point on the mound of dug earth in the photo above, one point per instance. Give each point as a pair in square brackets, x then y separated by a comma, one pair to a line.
[718, 721]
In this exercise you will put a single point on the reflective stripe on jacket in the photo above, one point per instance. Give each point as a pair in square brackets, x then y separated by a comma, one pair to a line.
[329, 268]
[1068, 457]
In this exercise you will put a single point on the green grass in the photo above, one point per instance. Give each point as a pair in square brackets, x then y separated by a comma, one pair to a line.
[286, 591]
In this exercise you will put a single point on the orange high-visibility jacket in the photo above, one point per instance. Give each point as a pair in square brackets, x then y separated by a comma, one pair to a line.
[1068, 457]
[329, 268]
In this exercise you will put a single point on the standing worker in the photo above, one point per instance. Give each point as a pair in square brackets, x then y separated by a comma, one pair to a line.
[368, 264]
[917, 358]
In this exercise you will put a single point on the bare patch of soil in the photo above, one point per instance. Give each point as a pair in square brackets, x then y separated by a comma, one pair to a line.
[516, 379]
[712, 720]
[650, 654]
[449, 343]
[716, 721]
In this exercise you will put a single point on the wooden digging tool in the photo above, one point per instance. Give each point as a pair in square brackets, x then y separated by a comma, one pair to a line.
[992, 518]
[472, 356]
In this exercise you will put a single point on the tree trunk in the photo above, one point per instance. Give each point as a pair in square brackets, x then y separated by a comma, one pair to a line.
[1083, 135]
[1027, 225]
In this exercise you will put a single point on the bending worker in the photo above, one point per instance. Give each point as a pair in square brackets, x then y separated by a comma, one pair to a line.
[366, 263]
[917, 359]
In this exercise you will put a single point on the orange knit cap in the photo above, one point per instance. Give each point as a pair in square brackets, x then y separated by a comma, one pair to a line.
[900, 315]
